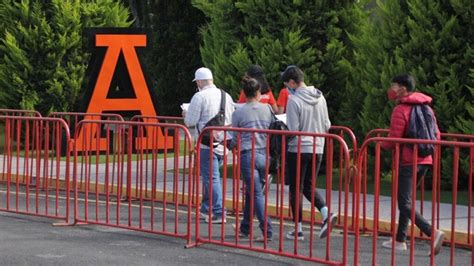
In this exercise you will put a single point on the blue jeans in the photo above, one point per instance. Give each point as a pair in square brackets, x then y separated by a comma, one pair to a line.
[216, 183]
[258, 169]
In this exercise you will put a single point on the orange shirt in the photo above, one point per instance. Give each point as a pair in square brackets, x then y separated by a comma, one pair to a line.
[264, 98]
[283, 98]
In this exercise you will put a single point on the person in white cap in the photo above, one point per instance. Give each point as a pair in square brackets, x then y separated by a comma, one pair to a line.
[205, 104]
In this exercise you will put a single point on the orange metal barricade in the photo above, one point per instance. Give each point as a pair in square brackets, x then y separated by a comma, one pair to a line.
[15, 112]
[463, 241]
[34, 175]
[317, 250]
[131, 184]
[432, 213]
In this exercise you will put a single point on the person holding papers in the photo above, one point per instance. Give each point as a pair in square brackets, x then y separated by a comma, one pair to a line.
[206, 104]
[306, 112]
[266, 95]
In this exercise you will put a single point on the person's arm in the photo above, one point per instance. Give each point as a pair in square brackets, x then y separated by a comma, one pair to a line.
[397, 128]
[234, 134]
[194, 111]
[327, 121]
[272, 102]
[292, 119]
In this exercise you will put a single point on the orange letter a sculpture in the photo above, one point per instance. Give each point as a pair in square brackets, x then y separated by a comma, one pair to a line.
[119, 43]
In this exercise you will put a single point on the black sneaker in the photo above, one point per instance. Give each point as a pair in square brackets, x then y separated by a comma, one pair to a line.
[324, 228]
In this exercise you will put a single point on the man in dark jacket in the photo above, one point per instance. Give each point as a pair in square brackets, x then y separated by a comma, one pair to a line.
[401, 91]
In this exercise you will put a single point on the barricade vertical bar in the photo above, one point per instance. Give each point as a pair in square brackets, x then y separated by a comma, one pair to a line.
[313, 188]
[329, 174]
[414, 174]
[395, 174]
[455, 197]
[224, 184]
[376, 202]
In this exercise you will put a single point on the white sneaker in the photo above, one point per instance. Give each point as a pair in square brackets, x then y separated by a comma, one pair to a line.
[291, 235]
[438, 241]
[400, 246]
[332, 219]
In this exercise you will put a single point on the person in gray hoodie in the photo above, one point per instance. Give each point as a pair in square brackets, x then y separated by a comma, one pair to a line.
[306, 112]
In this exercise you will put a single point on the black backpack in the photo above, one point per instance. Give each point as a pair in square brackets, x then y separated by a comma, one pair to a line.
[217, 120]
[423, 126]
[276, 144]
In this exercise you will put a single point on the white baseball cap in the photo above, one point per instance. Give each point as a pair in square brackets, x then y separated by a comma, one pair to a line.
[202, 74]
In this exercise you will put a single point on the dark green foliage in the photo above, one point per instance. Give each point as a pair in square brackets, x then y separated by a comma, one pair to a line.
[43, 57]
[274, 34]
[174, 55]
[431, 40]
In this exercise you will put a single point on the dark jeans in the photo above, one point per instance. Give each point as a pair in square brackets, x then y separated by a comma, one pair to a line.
[306, 168]
[404, 202]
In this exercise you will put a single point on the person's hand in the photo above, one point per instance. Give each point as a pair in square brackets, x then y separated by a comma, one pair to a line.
[183, 113]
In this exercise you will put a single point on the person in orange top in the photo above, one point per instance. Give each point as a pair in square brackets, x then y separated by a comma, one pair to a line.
[283, 100]
[266, 95]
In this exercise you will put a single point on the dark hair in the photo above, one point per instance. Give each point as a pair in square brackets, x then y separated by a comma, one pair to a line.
[250, 86]
[294, 73]
[405, 80]
[256, 72]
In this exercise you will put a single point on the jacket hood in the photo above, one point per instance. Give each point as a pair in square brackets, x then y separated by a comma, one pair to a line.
[309, 95]
[416, 98]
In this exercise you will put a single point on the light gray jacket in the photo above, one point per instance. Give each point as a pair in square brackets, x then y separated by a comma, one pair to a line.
[307, 111]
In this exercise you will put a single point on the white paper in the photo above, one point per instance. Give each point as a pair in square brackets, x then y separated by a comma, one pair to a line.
[185, 106]
[281, 117]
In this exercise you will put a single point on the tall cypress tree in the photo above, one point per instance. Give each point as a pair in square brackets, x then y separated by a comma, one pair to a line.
[174, 55]
[429, 39]
[274, 34]
[43, 54]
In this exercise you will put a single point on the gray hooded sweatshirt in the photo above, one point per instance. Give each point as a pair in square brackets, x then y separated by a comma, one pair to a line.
[307, 111]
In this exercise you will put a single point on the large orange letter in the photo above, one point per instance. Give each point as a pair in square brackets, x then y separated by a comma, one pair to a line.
[116, 45]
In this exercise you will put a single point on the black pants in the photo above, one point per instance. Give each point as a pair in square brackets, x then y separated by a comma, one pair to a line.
[404, 202]
[305, 181]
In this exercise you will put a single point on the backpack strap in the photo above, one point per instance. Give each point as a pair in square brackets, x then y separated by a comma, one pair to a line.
[222, 110]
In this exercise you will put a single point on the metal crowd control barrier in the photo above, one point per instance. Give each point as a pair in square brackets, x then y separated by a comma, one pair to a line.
[317, 250]
[346, 134]
[462, 240]
[432, 212]
[15, 112]
[133, 185]
[34, 176]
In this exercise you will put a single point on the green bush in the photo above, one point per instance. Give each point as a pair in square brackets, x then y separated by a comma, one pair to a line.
[42, 50]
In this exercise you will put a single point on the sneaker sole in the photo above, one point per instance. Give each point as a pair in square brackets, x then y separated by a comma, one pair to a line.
[333, 221]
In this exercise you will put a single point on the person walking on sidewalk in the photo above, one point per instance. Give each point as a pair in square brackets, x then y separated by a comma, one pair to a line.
[258, 116]
[204, 105]
[401, 91]
[306, 112]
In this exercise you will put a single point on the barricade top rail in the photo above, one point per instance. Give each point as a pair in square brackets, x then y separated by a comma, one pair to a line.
[443, 134]
[19, 111]
[42, 119]
[417, 141]
[350, 134]
[136, 123]
[109, 115]
[135, 117]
